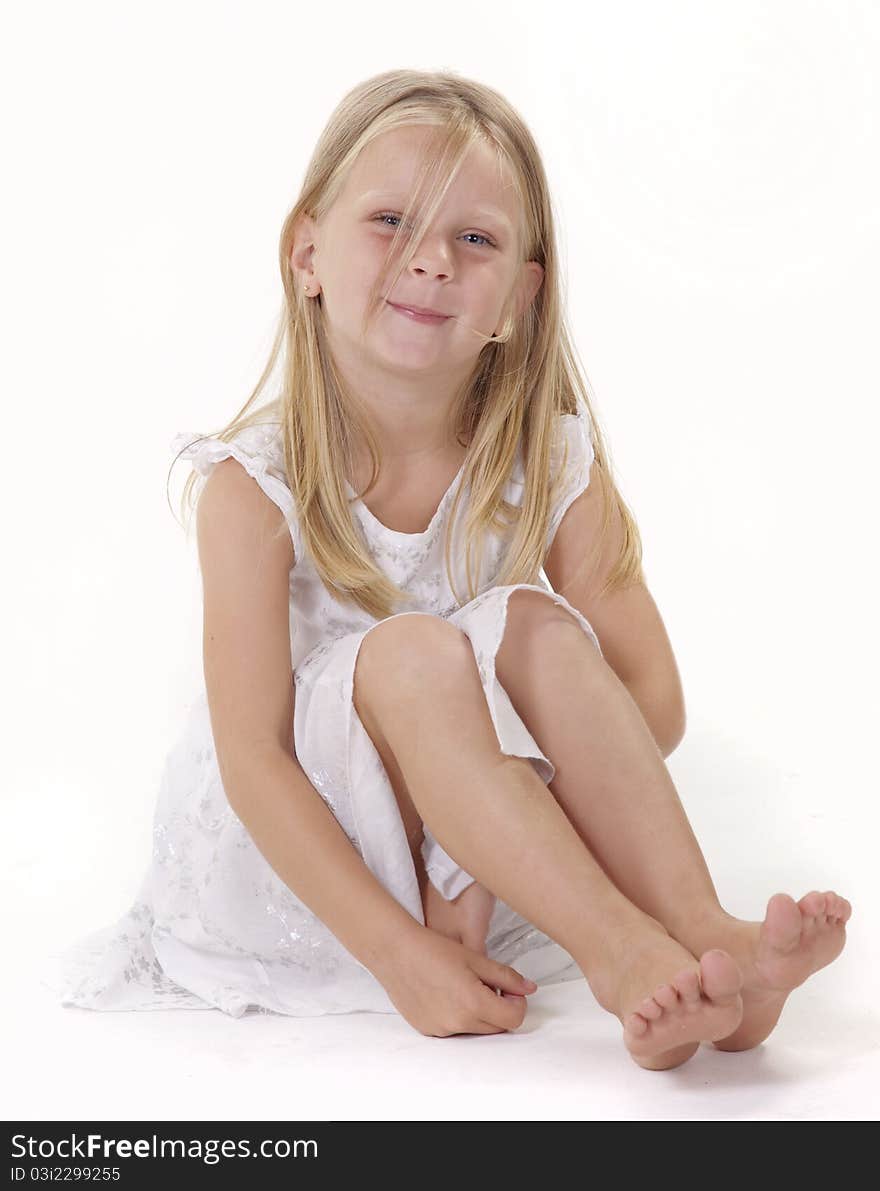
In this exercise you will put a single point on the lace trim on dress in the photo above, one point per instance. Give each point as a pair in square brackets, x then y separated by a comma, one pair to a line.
[257, 448]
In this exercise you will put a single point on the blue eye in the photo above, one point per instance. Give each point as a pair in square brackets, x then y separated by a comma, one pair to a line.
[477, 235]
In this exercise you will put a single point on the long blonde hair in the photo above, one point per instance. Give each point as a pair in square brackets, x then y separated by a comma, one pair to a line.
[525, 377]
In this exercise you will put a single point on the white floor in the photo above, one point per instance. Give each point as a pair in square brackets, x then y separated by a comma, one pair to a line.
[762, 829]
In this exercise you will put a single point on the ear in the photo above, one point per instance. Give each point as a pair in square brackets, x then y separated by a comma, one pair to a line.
[303, 250]
[530, 281]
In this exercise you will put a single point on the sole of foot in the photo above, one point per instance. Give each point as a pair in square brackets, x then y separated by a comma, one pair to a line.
[795, 940]
[701, 1003]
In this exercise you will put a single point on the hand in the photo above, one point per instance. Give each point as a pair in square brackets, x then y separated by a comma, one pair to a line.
[465, 919]
[443, 988]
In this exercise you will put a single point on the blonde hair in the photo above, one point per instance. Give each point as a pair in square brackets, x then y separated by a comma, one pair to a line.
[524, 378]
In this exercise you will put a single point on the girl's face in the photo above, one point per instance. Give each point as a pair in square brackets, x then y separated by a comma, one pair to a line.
[466, 266]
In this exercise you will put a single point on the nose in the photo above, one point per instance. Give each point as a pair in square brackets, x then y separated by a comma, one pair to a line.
[431, 260]
[422, 270]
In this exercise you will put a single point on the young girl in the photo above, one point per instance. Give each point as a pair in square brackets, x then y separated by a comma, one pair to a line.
[414, 762]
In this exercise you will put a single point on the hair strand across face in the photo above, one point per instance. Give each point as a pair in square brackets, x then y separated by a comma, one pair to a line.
[526, 376]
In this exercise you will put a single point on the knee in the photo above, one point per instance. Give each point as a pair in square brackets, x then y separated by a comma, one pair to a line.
[405, 655]
[535, 627]
[530, 613]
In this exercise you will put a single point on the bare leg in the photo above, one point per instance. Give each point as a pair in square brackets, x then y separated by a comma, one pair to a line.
[612, 783]
[419, 697]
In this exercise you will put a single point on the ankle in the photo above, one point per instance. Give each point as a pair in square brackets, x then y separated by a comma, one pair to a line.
[709, 927]
[610, 955]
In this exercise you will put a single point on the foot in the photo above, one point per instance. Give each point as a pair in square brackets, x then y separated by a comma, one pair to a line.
[777, 955]
[465, 919]
[688, 1001]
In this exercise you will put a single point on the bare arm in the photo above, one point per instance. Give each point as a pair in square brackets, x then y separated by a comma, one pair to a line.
[249, 682]
[627, 621]
[653, 702]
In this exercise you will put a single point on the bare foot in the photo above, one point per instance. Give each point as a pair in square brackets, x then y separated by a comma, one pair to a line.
[688, 1001]
[465, 919]
[777, 955]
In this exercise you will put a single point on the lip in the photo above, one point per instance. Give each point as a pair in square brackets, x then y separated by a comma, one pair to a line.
[420, 313]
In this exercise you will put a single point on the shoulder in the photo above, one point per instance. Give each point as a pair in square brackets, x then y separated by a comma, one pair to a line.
[257, 447]
[228, 467]
[571, 453]
[573, 446]
[572, 458]
[238, 526]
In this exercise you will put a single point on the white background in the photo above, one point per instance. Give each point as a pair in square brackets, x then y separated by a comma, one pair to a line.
[714, 169]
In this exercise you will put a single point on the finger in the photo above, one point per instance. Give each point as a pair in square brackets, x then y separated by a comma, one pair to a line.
[479, 1027]
[507, 1011]
[502, 976]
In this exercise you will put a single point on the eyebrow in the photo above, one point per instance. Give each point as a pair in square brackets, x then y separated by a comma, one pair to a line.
[492, 212]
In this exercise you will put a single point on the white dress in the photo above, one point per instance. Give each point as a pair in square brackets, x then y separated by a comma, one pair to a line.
[213, 925]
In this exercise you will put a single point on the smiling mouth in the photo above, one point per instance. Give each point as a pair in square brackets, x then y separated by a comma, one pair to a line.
[417, 316]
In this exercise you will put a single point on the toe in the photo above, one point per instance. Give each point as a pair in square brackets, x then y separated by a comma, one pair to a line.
[838, 912]
[687, 984]
[649, 1009]
[784, 921]
[666, 997]
[812, 904]
[635, 1024]
[721, 976]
